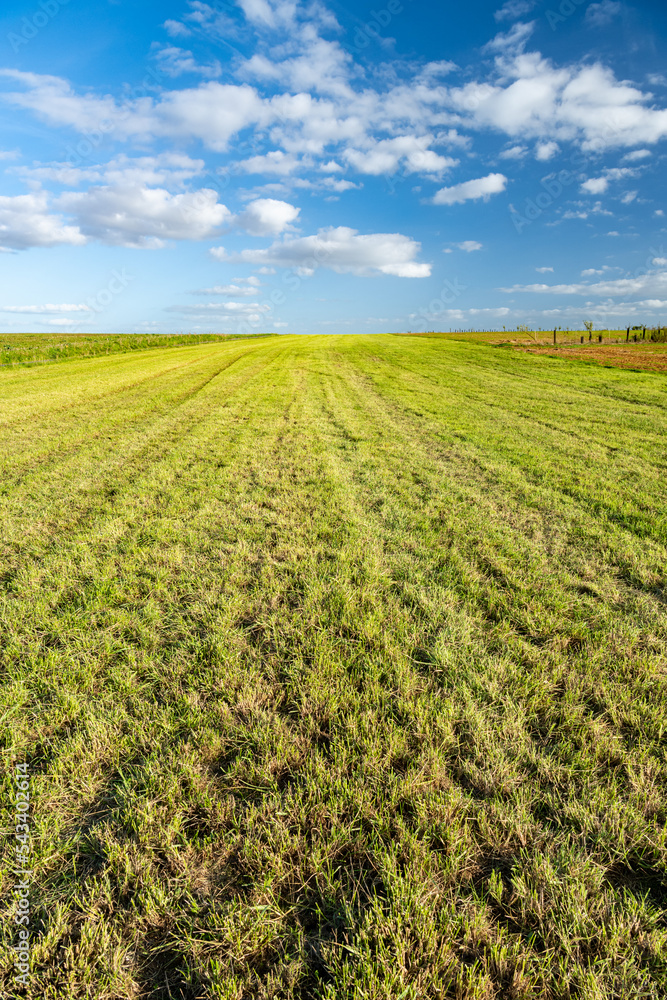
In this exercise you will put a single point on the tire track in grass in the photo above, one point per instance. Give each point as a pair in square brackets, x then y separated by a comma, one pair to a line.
[91, 366]
[124, 515]
[350, 427]
[556, 496]
[467, 378]
[135, 453]
[116, 406]
[485, 567]
[300, 786]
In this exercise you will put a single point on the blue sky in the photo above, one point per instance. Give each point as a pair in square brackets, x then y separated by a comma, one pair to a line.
[320, 167]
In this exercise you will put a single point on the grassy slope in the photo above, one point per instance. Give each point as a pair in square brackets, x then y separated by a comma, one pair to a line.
[341, 666]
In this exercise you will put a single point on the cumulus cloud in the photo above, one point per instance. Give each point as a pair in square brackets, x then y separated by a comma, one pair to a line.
[274, 162]
[145, 217]
[26, 221]
[212, 112]
[481, 187]
[340, 249]
[534, 98]
[412, 151]
[546, 150]
[267, 217]
[595, 185]
[469, 246]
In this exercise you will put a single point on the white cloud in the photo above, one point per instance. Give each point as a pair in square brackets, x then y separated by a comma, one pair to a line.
[514, 40]
[48, 308]
[212, 112]
[513, 153]
[629, 197]
[341, 249]
[267, 217]
[145, 217]
[247, 289]
[637, 154]
[481, 187]
[175, 29]
[320, 66]
[469, 246]
[599, 15]
[546, 150]
[25, 221]
[384, 156]
[595, 185]
[513, 9]
[68, 321]
[173, 61]
[497, 312]
[653, 284]
[248, 312]
[273, 162]
[544, 270]
[598, 185]
[262, 13]
[534, 98]
[170, 169]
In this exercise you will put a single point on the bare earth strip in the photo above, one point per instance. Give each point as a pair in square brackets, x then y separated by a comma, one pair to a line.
[644, 357]
[340, 665]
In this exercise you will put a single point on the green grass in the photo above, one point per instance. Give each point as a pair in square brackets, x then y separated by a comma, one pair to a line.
[340, 665]
[31, 348]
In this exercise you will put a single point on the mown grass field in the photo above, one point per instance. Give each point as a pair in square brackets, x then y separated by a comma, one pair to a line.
[43, 348]
[340, 667]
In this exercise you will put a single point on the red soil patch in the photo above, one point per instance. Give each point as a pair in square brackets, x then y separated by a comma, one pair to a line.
[647, 357]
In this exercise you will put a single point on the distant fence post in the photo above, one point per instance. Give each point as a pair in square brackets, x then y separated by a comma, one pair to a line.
[600, 339]
[644, 334]
[554, 336]
[627, 334]
[582, 340]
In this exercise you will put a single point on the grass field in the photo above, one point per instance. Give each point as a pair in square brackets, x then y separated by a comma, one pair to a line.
[340, 667]
[41, 348]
